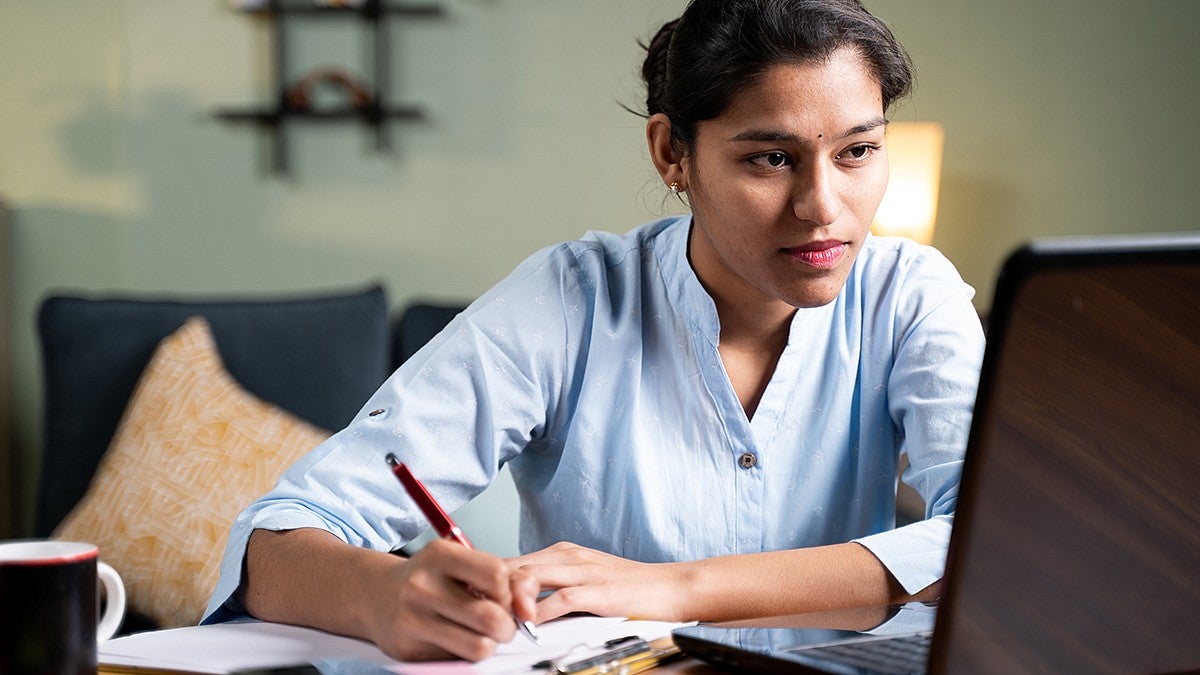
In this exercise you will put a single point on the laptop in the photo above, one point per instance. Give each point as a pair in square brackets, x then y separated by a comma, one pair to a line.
[1076, 544]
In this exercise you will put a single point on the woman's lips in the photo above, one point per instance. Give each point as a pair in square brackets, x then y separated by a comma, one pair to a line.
[822, 255]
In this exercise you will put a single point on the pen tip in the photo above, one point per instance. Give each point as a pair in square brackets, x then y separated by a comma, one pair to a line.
[527, 627]
[391, 459]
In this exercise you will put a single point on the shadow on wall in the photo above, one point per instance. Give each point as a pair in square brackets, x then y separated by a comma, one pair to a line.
[209, 217]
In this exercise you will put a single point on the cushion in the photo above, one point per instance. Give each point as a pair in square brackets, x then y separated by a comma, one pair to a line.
[192, 450]
[317, 356]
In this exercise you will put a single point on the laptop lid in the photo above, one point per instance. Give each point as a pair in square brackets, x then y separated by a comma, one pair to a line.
[1076, 544]
[1077, 534]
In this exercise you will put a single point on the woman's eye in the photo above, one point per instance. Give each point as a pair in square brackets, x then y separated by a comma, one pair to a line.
[772, 160]
[858, 152]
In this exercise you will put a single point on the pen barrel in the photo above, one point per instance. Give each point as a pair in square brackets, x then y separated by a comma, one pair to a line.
[456, 535]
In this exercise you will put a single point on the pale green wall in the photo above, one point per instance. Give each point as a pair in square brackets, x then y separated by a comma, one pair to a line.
[1061, 116]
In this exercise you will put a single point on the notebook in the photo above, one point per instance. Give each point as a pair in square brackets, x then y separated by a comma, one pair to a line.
[1076, 544]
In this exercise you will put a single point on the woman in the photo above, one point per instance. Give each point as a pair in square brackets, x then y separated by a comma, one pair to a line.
[709, 409]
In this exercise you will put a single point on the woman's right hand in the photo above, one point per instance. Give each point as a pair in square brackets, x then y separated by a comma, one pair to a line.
[447, 601]
[450, 601]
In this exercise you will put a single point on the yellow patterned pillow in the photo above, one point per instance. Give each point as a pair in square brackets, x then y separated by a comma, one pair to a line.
[192, 450]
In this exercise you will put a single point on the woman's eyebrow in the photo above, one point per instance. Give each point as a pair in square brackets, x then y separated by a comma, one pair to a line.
[869, 125]
[765, 136]
[776, 136]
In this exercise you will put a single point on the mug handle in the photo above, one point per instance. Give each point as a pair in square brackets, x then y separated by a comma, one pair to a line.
[114, 608]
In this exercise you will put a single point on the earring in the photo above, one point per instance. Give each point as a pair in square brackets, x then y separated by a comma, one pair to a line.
[674, 187]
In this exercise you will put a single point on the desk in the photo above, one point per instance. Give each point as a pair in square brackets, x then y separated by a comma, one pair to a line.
[688, 666]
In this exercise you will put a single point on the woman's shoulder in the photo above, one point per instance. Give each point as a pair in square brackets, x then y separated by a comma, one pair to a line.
[903, 260]
[597, 259]
[614, 249]
[898, 277]
[598, 254]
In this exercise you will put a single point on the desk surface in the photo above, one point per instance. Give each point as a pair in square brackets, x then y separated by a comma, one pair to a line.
[688, 666]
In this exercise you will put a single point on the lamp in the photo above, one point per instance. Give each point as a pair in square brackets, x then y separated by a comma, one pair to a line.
[909, 206]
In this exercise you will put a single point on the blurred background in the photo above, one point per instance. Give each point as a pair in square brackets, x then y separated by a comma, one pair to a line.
[1061, 117]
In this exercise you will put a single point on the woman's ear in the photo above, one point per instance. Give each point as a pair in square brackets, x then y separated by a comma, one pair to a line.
[663, 152]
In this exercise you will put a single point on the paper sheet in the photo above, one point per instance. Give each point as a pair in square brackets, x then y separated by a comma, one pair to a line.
[222, 648]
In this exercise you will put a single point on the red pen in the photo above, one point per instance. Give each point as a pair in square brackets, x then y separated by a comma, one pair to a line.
[445, 526]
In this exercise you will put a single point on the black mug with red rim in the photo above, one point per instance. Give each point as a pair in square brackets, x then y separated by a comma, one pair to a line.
[50, 619]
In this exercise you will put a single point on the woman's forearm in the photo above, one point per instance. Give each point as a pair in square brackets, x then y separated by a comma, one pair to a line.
[777, 583]
[310, 577]
[725, 588]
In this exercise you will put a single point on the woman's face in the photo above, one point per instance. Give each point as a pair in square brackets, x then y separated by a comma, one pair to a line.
[784, 184]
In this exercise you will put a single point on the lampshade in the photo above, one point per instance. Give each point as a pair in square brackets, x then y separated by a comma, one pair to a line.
[909, 206]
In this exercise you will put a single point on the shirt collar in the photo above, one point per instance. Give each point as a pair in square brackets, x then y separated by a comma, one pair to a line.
[684, 291]
[688, 296]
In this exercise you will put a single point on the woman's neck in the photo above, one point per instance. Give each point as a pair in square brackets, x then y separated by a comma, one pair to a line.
[752, 339]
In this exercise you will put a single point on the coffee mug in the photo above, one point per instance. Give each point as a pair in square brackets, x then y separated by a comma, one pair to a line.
[49, 603]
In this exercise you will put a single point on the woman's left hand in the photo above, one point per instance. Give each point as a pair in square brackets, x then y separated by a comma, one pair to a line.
[586, 580]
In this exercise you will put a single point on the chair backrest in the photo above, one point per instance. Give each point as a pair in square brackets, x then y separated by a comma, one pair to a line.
[417, 324]
[319, 357]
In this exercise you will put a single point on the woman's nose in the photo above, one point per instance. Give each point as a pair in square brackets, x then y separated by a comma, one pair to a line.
[815, 199]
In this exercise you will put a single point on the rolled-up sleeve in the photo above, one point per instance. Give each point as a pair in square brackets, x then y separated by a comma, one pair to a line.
[931, 391]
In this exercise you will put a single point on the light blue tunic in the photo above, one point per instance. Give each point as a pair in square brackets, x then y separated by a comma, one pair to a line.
[593, 372]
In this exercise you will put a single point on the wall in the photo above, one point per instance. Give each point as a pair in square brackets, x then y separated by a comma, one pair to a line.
[1062, 117]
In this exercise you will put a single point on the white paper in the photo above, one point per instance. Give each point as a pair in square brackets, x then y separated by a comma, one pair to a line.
[221, 648]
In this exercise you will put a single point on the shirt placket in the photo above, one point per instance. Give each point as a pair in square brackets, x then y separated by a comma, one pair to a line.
[744, 461]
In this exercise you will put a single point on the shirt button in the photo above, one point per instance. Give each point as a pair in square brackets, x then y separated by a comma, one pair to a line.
[748, 460]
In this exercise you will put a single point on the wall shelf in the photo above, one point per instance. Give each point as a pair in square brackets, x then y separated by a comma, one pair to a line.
[374, 109]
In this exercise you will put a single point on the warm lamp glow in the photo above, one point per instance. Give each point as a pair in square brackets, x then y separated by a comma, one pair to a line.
[909, 207]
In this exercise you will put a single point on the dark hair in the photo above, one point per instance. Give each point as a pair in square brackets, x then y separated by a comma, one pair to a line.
[698, 63]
